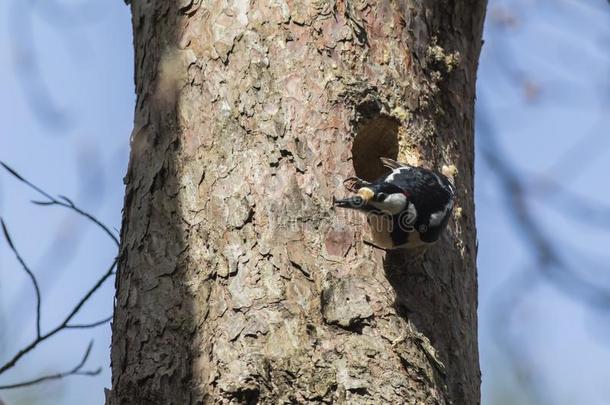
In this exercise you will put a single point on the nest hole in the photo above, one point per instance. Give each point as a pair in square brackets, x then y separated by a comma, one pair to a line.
[377, 137]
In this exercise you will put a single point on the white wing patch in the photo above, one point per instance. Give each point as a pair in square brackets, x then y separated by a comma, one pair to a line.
[390, 163]
[396, 172]
[437, 217]
[411, 214]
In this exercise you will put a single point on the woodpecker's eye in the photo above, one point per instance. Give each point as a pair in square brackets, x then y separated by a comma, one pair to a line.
[381, 196]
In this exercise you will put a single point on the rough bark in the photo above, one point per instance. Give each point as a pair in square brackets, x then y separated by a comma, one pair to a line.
[238, 282]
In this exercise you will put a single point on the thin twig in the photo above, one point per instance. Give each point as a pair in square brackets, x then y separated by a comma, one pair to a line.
[40, 337]
[61, 201]
[63, 325]
[25, 267]
[89, 325]
[75, 371]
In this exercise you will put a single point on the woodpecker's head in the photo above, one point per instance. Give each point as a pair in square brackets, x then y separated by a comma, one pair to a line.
[384, 198]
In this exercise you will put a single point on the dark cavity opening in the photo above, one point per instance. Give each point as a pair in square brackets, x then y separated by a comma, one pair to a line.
[375, 138]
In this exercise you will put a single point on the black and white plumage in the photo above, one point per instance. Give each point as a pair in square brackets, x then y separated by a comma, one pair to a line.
[406, 208]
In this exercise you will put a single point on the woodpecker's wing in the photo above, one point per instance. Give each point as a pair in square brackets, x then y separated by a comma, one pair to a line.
[430, 192]
[392, 164]
[422, 185]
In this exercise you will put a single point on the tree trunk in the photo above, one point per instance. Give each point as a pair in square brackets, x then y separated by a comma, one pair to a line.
[238, 281]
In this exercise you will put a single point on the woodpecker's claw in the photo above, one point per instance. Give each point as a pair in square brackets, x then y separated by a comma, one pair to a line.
[353, 184]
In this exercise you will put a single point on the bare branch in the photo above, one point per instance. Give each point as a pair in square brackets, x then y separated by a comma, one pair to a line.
[109, 272]
[22, 179]
[63, 325]
[90, 325]
[29, 272]
[62, 201]
[77, 370]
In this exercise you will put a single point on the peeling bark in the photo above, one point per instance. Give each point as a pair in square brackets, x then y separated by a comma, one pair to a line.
[238, 283]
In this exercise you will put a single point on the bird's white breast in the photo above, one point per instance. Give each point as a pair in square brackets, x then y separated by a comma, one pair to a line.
[381, 228]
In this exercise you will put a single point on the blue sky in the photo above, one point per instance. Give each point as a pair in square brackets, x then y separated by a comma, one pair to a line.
[80, 149]
[562, 47]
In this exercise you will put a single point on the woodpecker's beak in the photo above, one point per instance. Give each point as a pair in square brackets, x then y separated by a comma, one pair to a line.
[351, 202]
[358, 201]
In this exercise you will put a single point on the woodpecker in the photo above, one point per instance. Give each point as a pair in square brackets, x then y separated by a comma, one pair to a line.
[407, 208]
